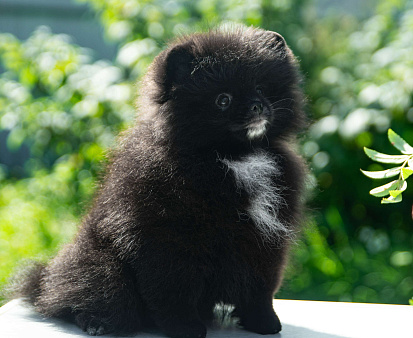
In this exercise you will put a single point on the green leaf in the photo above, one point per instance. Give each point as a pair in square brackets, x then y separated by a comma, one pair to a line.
[406, 172]
[411, 301]
[395, 193]
[383, 158]
[383, 173]
[16, 139]
[399, 143]
[385, 189]
[392, 199]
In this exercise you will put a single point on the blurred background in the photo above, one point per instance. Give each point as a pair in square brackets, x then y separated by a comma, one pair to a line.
[67, 85]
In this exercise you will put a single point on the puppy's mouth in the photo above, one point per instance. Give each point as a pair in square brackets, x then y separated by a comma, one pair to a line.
[257, 128]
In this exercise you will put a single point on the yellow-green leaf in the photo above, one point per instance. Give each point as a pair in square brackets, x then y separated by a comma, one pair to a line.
[395, 193]
[406, 172]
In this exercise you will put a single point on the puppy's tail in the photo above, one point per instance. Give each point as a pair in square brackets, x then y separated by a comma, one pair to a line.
[26, 282]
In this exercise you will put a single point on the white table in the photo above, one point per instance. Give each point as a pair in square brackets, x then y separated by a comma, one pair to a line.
[303, 319]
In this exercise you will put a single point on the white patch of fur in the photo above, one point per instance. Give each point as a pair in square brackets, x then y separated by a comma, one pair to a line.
[254, 173]
[257, 129]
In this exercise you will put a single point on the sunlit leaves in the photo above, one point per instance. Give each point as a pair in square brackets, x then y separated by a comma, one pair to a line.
[382, 174]
[59, 99]
[383, 158]
[395, 188]
[63, 109]
[399, 143]
[385, 189]
[393, 198]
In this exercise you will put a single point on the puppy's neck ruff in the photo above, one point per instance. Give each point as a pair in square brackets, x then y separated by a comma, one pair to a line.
[255, 174]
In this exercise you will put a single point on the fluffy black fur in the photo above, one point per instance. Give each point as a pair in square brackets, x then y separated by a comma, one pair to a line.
[171, 232]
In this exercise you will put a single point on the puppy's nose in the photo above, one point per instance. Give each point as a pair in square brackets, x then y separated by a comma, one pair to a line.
[256, 108]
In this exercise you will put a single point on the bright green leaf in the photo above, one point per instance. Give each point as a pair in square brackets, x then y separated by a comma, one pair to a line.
[383, 173]
[395, 193]
[406, 172]
[399, 143]
[383, 158]
[385, 189]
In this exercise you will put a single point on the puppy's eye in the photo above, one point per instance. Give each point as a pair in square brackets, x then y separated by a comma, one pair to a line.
[223, 101]
[259, 90]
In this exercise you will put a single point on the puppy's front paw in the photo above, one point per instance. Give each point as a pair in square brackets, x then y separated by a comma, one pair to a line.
[186, 330]
[263, 323]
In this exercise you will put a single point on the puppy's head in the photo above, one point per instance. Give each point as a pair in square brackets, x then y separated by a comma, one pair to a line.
[228, 86]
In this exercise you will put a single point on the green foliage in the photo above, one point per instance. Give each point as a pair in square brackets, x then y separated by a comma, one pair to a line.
[360, 88]
[65, 109]
[395, 188]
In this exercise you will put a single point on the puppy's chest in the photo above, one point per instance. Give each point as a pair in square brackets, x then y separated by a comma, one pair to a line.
[255, 174]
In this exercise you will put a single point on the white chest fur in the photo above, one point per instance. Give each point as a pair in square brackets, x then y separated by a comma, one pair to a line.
[255, 173]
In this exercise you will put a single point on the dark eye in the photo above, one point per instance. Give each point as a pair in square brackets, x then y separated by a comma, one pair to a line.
[259, 90]
[223, 101]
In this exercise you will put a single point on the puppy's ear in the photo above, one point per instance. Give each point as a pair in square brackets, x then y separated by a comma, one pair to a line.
[178, 66]
[275, 41]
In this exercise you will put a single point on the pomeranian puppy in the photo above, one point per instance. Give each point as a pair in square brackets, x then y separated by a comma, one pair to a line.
[202, 197]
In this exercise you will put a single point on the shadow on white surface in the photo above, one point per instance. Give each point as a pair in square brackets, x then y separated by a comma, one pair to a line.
[300, 319]
[18, 320]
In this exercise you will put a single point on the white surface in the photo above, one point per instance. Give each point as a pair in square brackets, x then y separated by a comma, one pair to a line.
[300, 319]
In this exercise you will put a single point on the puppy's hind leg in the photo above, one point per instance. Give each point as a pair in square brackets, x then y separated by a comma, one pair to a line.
[92, 289]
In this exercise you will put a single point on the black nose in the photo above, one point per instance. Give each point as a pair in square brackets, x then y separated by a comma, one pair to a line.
[256, 108]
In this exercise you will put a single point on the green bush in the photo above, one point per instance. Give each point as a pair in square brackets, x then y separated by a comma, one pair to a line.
[65, 109]
[363, 89]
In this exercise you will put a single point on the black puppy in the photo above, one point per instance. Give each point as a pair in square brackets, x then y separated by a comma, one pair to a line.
[200, 201]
